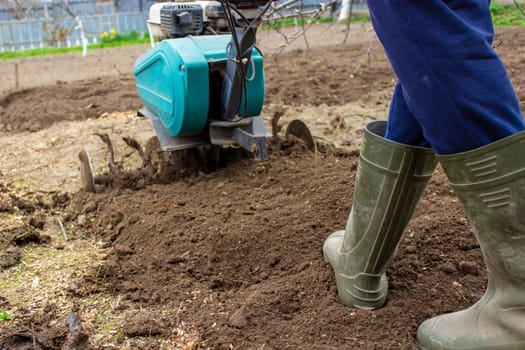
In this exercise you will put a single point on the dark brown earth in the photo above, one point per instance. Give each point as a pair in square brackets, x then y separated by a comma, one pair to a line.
[333, 75]
[236, 254]
[37, 108]
[240, 251]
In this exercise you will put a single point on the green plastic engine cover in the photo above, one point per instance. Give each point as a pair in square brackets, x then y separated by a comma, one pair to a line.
[173, 81]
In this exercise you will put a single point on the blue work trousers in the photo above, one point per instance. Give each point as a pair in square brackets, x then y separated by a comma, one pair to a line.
[453, 92]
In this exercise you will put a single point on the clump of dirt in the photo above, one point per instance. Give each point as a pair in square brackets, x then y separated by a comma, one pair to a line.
[47, 330]
[142, 324]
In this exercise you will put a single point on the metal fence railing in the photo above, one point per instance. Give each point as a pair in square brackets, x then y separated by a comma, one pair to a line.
[28, 34]
[38, 9]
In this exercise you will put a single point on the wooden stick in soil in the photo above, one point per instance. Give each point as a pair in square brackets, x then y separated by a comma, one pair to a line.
[17, 77]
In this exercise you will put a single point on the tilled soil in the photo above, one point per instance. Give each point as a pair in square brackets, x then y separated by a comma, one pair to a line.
[235, 255]
[38, 108]
[321, 76]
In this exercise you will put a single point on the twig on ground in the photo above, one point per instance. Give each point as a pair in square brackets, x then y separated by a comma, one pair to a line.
[276, 127]
[62, 228]
[33, 336]
[118, 70]
[111, 161]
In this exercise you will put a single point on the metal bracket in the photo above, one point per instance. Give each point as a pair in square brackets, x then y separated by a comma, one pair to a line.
[249, 133]
[168, 142]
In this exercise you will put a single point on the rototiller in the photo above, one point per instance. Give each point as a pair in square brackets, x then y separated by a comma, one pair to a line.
[201, 89]
[204, 89]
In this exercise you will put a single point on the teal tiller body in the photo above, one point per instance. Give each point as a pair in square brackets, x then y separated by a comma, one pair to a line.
[173, 81]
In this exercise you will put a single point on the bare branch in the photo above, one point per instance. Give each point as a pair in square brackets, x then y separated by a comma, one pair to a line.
[518, 6]
[307, 18]
[21, 8]
[295, 9]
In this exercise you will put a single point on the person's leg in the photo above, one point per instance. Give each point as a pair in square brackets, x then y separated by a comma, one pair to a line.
[392, 174]
[402, 126]
[490, 183]
[452, 81]
[458, 90]
[390, 179]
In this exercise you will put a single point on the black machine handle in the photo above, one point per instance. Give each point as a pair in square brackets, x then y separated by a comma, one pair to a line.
[233, 92]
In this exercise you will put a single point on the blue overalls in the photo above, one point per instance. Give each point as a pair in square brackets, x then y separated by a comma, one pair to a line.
[453, 92]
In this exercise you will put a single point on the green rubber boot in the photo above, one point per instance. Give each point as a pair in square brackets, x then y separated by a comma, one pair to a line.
[390, 180]
[490, 183]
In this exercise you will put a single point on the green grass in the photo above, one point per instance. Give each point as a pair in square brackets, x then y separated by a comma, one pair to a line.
[502, 15]
[507, 15]
[5, 316]
[360, 19]
[115, 40]
[288, 22]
